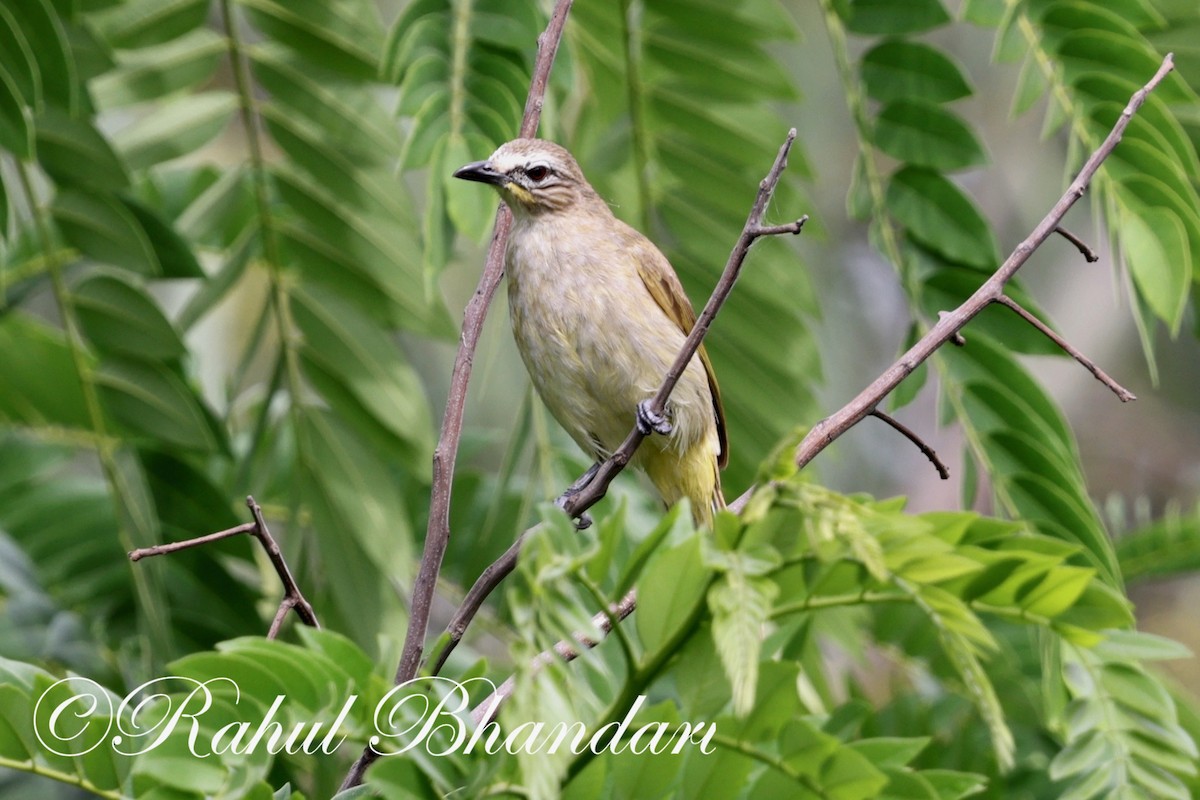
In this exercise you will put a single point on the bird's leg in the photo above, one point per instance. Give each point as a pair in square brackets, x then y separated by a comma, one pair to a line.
[648, 421]
[583, 521]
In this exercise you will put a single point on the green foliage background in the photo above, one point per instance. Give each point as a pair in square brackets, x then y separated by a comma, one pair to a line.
[231, 260]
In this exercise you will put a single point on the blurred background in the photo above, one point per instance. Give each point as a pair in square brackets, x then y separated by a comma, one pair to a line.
[1141, 461]
[332, 217]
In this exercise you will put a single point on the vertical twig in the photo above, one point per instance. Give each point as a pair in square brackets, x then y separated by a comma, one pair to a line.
[437, 533]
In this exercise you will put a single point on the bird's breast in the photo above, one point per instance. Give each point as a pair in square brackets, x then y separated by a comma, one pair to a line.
[592, 338]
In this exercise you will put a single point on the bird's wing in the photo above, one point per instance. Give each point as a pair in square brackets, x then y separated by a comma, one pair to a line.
[664, 286]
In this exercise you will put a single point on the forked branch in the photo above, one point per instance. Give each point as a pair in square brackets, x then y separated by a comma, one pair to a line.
[992, 291]
[293, 598]
[437, 533]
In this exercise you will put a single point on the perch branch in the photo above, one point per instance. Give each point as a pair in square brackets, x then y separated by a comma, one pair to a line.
[592, 486]
[578, 501]
[437, 533]
[488, 580]
[908, 433]
[827, 430]
[293, 598]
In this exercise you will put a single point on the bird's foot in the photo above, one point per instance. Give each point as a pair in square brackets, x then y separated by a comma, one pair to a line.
[650, 422]
[582, 481]
[583, 521]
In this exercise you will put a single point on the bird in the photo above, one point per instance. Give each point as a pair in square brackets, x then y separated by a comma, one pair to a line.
[599, 315]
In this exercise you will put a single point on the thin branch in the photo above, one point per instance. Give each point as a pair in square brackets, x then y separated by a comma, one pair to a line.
[1120, 391]
[488, 580]
[958, 340]
[603, 622]
[172, 547]
[293, 597]
[1089, 254]
[908, 433]
[593, 485]
[827, 430]
[584, 498]
[437, 533]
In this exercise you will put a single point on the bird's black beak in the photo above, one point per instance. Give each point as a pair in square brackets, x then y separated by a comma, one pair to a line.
[481, 171]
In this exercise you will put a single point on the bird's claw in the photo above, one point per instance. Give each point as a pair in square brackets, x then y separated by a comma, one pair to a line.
[583, 521]
[650, 422]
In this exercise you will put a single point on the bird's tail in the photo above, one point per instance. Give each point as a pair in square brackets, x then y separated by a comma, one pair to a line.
[693, 474]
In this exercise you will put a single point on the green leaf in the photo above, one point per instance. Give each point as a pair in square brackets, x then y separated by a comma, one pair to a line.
[897, 69]
[16, 127]
[342, 35]
[1140, 646]
[359, 370]
[1031, 86]
[371, 188]
[926, 135]
[151, 400]
[1087, 753]
[1084, 52]
[176, 128]
[1155, 247]
[74, 153]
[155, 72]
[940, 216]
[41, 384]
[340, 246]
[348, 114]
[17, 60]
[1058, 591]
[660, 615]
[984, 12]
[143, 23]
[17, 741]
[104, 229]
[215, 212]
[40, 27]
[1121, 729]
[174, 255]
[883, 17]
[1167, 547]
[362, 528]
[119, 317]
[740, 605]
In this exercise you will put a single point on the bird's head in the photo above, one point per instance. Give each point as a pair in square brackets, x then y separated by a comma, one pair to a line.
[534, 176]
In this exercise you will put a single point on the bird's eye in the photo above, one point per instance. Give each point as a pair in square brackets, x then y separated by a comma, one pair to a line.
[537, 173]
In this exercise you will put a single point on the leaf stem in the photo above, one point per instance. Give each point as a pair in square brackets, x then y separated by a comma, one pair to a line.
[68, 778]
[775, 763]
[154, 616]
[279, 299]
[637, 116]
